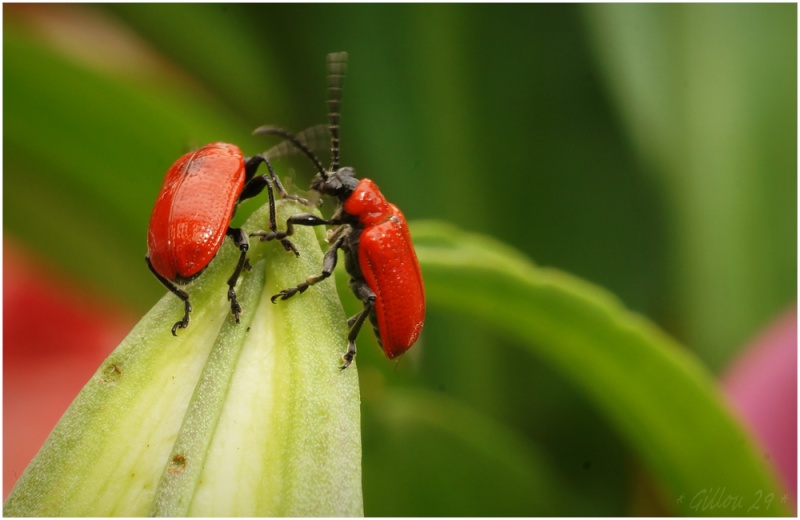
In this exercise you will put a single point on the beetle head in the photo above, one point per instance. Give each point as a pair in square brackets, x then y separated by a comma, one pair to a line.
[339, 183]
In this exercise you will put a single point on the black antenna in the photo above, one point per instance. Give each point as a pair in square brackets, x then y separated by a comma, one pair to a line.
[315, 138]
[274, 130]
[337, 66]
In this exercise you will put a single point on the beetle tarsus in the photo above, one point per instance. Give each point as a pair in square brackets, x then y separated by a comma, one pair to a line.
[348, 356]
[187, 308]
[355, 324]
[288, 293]
[236, 309]
[289, 246]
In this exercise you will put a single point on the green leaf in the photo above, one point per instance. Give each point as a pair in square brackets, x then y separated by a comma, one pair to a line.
[659, 397]
[254, 419]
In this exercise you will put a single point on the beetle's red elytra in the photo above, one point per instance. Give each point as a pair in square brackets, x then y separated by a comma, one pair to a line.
[390, 268]
[192, 216]
[379, 255]
[179, 244]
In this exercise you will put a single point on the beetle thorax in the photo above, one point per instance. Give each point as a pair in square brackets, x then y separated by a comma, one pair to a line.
[367, 203]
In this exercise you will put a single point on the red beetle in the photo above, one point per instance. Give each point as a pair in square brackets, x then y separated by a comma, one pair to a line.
[379, 256]
[193, 212]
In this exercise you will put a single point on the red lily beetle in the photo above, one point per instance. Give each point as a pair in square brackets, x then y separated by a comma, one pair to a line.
[192, 216]
[379, 256]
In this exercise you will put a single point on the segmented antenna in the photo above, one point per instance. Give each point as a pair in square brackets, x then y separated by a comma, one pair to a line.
[337, 66]
[316, 138]
[297, 140]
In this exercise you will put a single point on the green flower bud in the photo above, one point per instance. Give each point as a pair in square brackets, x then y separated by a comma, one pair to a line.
[226, 419]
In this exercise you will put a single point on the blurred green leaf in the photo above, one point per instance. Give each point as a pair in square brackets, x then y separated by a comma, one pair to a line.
[221, 46]
[659, 397]
[93, 148]
[490, 469]
[708, 93]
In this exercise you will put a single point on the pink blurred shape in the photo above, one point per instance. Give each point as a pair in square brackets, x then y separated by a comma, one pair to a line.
[761, 384]
[55, 335]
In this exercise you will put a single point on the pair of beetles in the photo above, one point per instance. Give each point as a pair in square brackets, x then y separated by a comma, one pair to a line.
[193, 211]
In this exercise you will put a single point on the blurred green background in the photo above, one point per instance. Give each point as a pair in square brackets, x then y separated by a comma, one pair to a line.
[650, 149]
